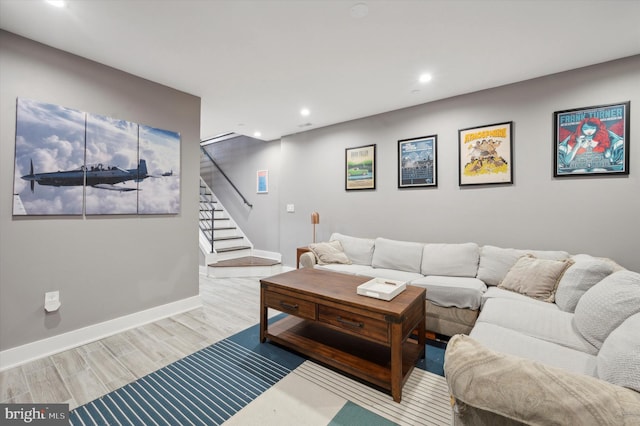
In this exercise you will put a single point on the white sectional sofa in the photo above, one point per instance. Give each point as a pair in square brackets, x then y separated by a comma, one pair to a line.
[576, 361]
[457, 276]
[553, 338]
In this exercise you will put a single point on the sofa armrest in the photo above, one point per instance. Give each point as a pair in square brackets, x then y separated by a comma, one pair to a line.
[489, 387]
[308, 260]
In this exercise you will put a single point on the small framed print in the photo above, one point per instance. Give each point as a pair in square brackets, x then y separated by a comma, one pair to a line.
[417, 162]
[485, 154]
[592, 140]
[262, 181]
[360, 167]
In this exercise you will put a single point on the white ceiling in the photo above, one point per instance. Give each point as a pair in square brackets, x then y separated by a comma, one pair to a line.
[255, 64]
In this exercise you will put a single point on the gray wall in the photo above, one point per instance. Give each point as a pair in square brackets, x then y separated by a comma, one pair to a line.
[240, 158]
[104, 267]
[599, 216]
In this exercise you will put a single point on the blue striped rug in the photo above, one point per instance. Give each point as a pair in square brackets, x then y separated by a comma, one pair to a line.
[205, 388]
[212, 385]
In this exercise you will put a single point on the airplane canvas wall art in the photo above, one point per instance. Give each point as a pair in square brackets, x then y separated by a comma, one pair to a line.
[72, 163]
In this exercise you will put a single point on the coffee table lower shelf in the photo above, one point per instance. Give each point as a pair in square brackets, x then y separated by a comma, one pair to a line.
[353, 355]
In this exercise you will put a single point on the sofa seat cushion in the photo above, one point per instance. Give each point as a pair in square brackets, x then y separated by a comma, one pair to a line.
[461, 292]
[606, 305]
[358, 250]
[552, 325]
[392, 274]
[619, 356]
[400, 255]
[495, 262]
[345, 269]
[453, 260]
[512, 342]
[499, 293]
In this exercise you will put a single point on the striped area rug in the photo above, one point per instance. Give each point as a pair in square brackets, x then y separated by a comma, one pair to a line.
[425, 396]
[205, 388]
[218, 382]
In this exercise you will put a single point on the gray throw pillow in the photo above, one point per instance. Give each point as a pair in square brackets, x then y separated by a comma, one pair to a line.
[606, 305]
[586, 272]
[619, 357]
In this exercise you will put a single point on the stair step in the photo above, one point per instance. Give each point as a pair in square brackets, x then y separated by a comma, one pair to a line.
[236, 248]
[246, 261]
[228, 238]
[223, 228]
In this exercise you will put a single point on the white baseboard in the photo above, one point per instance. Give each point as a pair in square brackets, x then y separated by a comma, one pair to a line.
[31, 351]
[267, 254]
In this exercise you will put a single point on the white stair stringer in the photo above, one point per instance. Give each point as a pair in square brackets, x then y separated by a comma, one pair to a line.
[226, 233]
[227, 238]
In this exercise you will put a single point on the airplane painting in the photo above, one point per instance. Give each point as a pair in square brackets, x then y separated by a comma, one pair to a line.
[74, 163]
[98, 176]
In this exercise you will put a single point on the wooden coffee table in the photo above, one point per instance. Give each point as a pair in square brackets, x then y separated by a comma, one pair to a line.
[359, 335]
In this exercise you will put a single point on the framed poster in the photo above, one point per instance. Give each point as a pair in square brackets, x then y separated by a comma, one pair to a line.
[485, 154]
[262, 181]
[592, 140]
[417, 162]
[360, 167]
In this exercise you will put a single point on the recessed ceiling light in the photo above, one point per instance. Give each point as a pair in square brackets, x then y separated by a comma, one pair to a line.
[257, 134]
[305, 112]
[424, 78]
[56, 3]
[359, 10]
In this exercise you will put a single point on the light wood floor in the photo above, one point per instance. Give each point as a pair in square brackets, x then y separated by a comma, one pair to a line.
[85, 373]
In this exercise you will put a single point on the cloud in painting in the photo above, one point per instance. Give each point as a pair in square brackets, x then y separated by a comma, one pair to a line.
[52, 137]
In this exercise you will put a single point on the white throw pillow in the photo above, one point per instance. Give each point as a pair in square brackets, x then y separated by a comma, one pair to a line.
[536, 278]
[586, 272]
[619, 357]
[400, 255]
[330, 252]
[359, 250]
[453, 260]
[606, 305]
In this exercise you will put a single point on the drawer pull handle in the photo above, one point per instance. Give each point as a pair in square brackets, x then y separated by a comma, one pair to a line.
[289, 306]
[350, 323]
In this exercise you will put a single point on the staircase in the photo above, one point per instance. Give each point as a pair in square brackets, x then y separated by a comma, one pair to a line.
[227, 251]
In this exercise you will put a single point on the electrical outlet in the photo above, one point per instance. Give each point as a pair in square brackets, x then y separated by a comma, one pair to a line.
[52, 301]
[291, 208]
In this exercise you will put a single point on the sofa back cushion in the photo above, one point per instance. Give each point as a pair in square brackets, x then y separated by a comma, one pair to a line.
[585, 272]
[453, 260]
[358, 250]
[619, 356]
[495, 262]
[401, 255]
[606, 305]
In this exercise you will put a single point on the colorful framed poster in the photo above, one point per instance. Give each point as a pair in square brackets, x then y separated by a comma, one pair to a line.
[262, 181]
[417, 162]
[485, 154]
[360, 167]
[592, 140]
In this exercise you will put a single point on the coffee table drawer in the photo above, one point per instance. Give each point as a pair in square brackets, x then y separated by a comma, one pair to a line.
[291, 305]
[354, 323]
